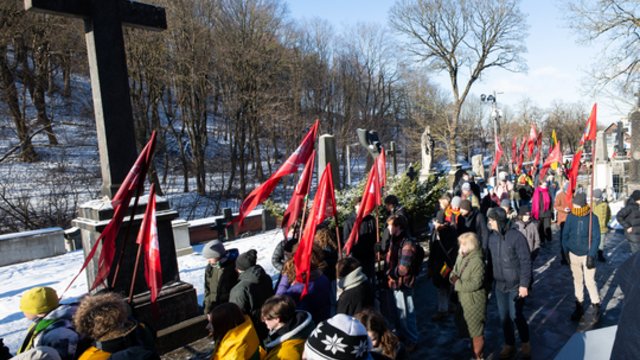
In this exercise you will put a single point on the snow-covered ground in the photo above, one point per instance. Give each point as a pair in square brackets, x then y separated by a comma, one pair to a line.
[56, 272]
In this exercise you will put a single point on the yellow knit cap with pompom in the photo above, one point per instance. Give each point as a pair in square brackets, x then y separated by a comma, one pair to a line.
[39, 300]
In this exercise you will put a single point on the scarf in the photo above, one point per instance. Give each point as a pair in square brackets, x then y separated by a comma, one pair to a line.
[546, 202]
[580, 211]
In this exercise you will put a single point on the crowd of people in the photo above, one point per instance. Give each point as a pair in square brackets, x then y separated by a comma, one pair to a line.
[483, 241]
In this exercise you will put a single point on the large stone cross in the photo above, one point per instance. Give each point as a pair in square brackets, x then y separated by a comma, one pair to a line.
[103, 20]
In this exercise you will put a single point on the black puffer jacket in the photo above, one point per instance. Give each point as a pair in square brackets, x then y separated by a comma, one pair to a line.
[254, 287]
[629, 217]
[476, 223]
[364, 249]
[357, 293]
[510, 257]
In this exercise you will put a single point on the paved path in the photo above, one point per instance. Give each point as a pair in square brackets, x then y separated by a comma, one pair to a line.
[548, 310]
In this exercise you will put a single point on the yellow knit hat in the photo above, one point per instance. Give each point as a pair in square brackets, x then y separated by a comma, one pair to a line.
[39, 300]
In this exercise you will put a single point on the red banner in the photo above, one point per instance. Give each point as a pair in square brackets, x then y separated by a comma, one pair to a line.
[370, 200]
[294, 210]
[148, 239]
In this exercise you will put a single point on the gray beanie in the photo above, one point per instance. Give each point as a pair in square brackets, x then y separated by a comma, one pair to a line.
[455, 202]
[597, 193]
[247, 260]
[214, 250]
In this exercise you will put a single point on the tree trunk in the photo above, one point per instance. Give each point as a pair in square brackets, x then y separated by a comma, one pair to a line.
[10, 95]
[40, 73]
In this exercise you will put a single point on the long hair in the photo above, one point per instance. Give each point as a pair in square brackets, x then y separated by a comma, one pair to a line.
[225, 317]
[324, 239]
[374, 322]
[469, 240]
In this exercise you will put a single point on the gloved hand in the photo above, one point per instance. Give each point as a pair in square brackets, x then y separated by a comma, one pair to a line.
[591, 262]
[566, 258]
[453, 278]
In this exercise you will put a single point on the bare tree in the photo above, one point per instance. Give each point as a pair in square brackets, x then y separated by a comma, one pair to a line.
[462, 37]
[617, 22]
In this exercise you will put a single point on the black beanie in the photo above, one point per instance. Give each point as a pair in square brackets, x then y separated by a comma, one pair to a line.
[246, 260]
[465, 205]
[580, 199]
[498, 214]
[524, 210]
[635, 195]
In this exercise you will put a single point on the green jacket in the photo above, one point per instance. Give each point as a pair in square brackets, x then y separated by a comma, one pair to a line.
[473, 298]
[603, 212]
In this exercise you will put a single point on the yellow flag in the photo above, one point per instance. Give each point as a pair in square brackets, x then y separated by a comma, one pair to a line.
[554, 140]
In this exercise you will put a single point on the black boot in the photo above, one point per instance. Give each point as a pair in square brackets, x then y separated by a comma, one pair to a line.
[578, 312]
[601, 256]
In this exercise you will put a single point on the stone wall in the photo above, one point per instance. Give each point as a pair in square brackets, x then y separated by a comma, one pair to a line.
[31, 245]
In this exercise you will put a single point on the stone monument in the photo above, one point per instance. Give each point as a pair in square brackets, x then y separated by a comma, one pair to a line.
[603, 174]
[103, 20]
[477, 166]
[427, 145]
[327, 154]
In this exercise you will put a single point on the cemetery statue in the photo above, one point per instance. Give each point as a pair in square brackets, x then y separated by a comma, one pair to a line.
[427, 144]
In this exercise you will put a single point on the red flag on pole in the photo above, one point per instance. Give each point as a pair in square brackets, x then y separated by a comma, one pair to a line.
[148, 238]
[589, 133]
[554, 156]
[497, 156]
[514, 149]
[262, 192]
[324, 205]
[370, 200]
[297, 199]
[521, 156]
[533, 137]
[536, 161]
[120, 202]
[381, 163]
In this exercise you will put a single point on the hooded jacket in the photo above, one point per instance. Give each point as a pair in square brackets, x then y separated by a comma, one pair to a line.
[629, 217]
[137, 343]
[575, 236]
[254, 287]
[474, 222]
[357, 293]
[55, 330]
[219, 280]
[511, 260]
[288, 341]
[240, 343]
[364, 249]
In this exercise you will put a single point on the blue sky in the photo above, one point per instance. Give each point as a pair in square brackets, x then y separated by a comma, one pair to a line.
[557, 63]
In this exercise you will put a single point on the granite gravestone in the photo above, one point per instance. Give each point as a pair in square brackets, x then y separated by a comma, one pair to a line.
[103, 21]
[327, 154]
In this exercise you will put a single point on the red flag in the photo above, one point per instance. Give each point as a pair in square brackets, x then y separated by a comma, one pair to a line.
[120, 202]
[554, 156]
[573, 174]
[521, 156]
[536, 161]
[498, 155]
[533, 137]
[591, 128]
[381, 163]
[297, 199]
[324, 205]
[262, 192]
[514, 149]
[148, 238]
[370, 200]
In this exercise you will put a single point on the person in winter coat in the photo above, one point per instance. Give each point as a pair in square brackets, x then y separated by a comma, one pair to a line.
[471, 220]
[220, 275]
[288, 328]
[629, 218]
[467, 278]
[504, 187]
[253, 288]
[541, 211]
[524, 189]
[581, 255]
[104, 318]
[340, 337]
[468, 194]
[442, 256]
[563, 209]
[512, 214]
[529, 228]
[284, 249]
[401, 278]
[52, 322]
[626, 344]
[383, 340]
[38, 353]
[318, 298]
[364, 249]
[234, 335]
[511, 261]
[602, 210]
[355, 290]
[393, 206]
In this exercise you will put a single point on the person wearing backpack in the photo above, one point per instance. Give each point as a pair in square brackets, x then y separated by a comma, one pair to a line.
[404, 259]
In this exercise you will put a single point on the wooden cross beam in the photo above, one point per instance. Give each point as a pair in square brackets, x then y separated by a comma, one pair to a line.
[103, 21]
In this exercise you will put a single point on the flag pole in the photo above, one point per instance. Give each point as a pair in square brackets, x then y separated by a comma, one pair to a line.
[135, 273]
[335, 217]
[593, 171]
[127, 233]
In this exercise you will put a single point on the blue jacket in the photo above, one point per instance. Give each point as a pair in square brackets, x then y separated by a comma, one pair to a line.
[318, 299]
[575, 236]
[511, 260]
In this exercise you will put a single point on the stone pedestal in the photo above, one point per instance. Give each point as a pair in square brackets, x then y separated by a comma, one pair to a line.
[181, 237]
[177, 300]
[601, 148]
[603, 177]
[327, 154]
